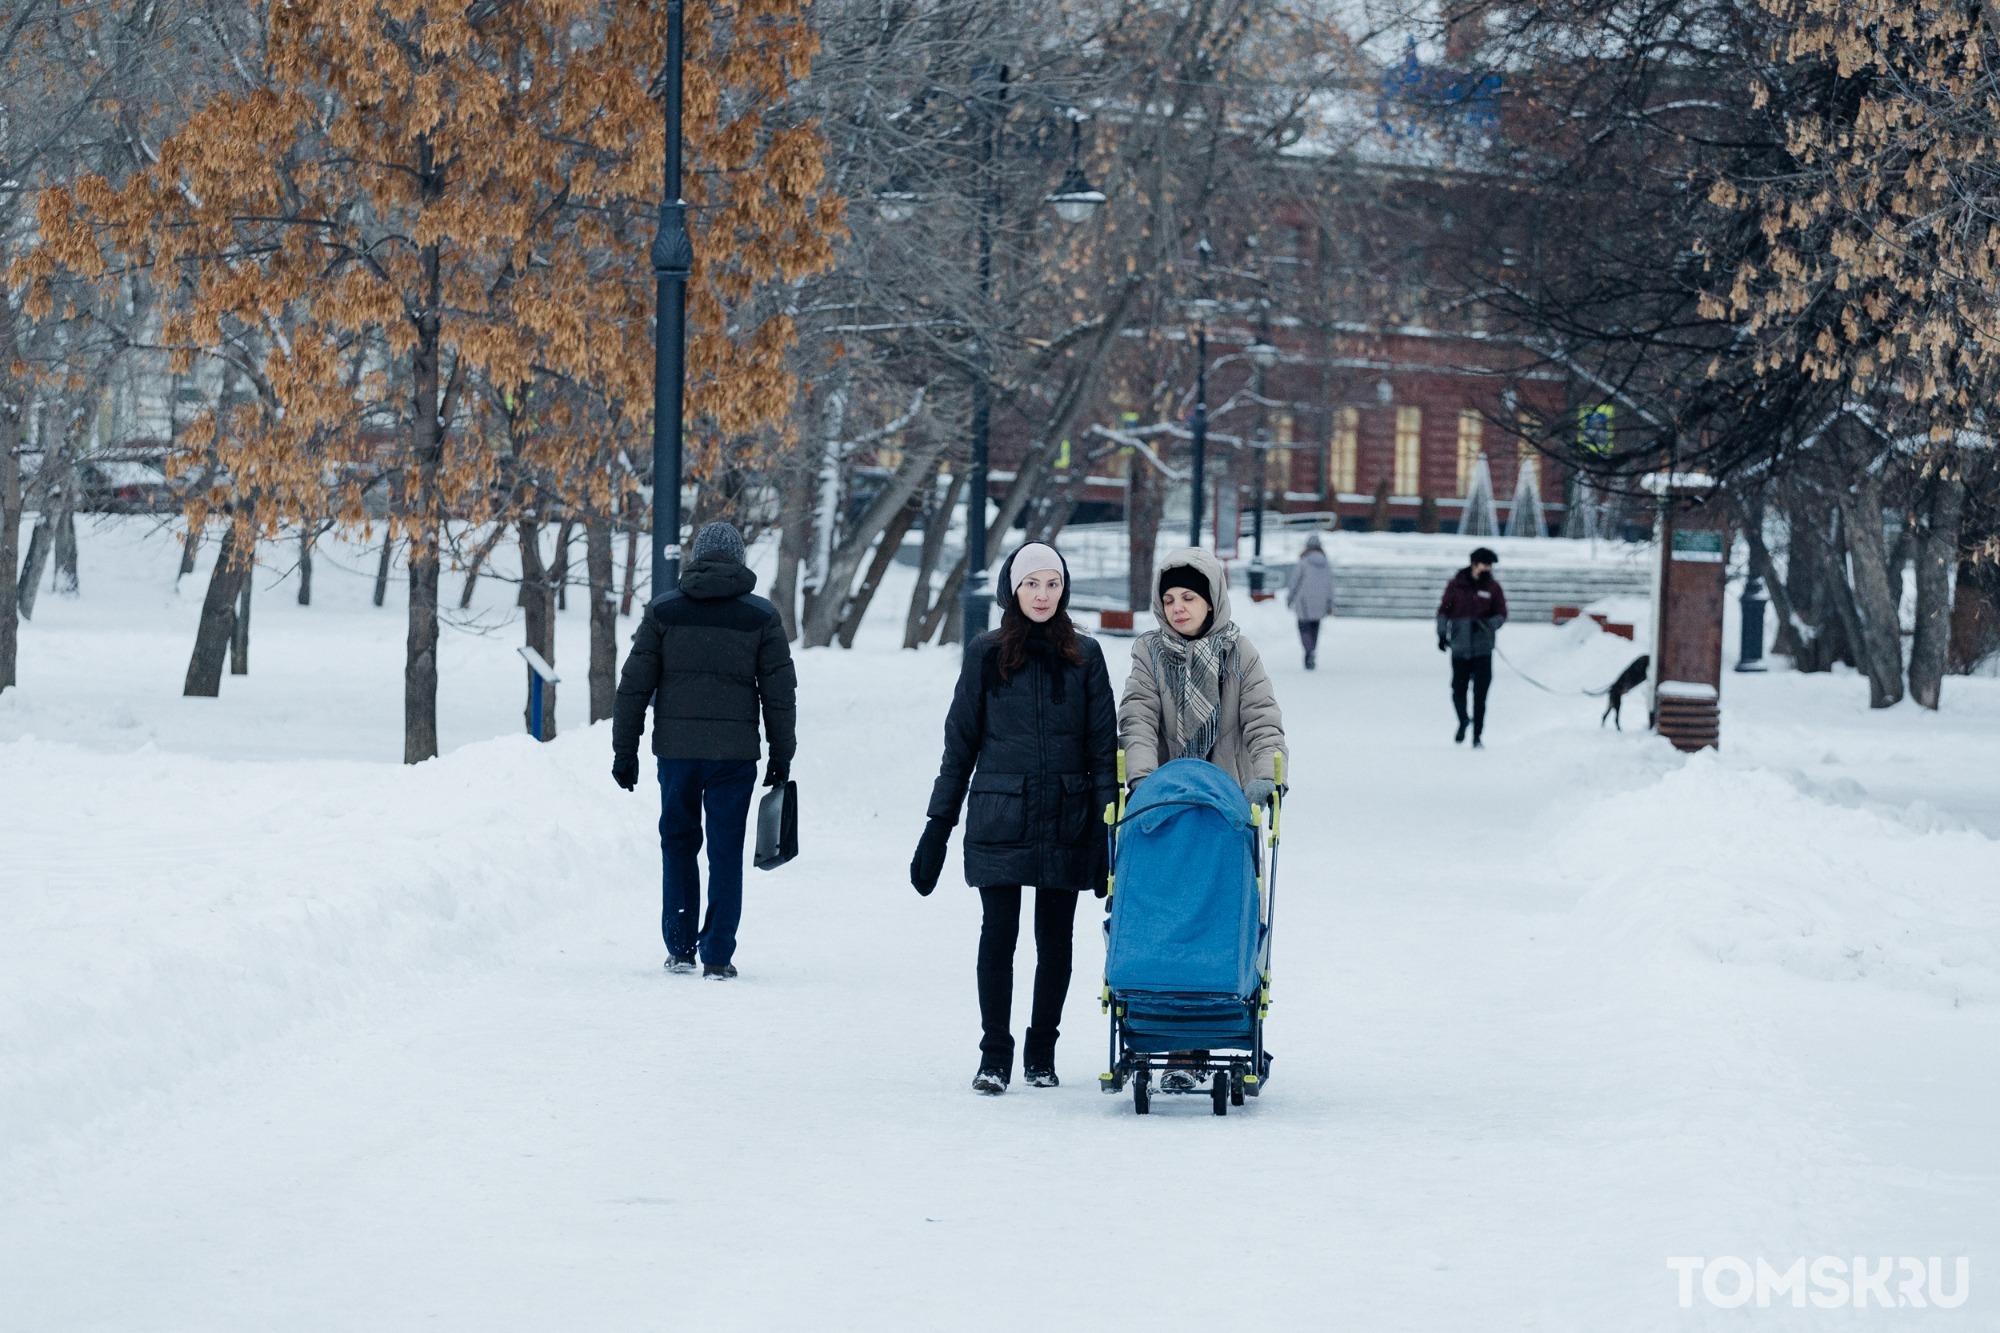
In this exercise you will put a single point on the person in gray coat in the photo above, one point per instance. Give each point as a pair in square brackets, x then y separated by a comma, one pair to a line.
[1309, 593]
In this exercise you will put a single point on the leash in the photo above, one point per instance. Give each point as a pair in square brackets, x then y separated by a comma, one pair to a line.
[1588, 694]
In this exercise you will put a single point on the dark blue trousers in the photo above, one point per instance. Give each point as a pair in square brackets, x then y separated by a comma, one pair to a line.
[689, 789]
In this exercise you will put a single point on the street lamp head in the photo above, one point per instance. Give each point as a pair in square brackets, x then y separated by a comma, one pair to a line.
[897, 204]
[1076, 198]
[1264, 355]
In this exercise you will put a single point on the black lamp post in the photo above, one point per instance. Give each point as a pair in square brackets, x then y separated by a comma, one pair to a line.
[1264, 355]
[673, 261]
[1202, 309]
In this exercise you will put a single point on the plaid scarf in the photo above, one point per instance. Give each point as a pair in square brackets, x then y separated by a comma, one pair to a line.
[1192, 670]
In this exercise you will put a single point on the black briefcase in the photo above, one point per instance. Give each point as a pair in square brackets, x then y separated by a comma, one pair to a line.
[778, 826]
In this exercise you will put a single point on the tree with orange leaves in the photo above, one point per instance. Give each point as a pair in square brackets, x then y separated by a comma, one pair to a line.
[407, 211]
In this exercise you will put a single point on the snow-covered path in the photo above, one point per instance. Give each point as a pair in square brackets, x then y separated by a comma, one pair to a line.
[1544, 1017]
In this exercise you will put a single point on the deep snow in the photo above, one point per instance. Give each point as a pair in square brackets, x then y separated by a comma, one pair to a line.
[295, 1037]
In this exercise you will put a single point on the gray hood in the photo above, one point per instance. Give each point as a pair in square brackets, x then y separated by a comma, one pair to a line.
[1205, 564]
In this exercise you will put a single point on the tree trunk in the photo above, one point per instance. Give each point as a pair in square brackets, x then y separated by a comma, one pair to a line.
[1868, 569]
[35, 565]
[12, 417]
[1792, 634]
[420, 646]
[10, 538]
[631, 568]
[1378, 513]
[1145, 500]
[539, 621]
[382, 567]
[953, 606]
[477, 563]
[795, 531]
[306, 536]
[885, 555]
[918, 624]
[603, 618]
[822, 615]
[1975, 618]
[1936, 550]
[430, 413]
[559, 571]
[239, 633]
[218, 618]
[1817, 586]
[190, 549]
[66, 584]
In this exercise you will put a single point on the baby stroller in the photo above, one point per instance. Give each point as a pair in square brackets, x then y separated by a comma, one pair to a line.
[1187, 965]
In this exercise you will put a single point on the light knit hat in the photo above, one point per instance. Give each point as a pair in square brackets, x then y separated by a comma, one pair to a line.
[1031, 559]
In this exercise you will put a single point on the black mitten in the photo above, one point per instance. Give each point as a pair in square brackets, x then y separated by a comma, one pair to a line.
[928, 863]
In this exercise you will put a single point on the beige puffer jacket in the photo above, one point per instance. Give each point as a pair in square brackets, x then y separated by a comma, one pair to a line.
[1252, 731]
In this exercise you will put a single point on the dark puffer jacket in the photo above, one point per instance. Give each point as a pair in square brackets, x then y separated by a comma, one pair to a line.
[709, 657]
[1470, 613]
[1039, 756]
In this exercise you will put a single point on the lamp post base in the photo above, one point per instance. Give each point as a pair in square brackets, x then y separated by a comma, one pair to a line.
[975, 606]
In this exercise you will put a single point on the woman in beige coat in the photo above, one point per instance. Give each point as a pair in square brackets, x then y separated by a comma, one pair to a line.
[1198, 687]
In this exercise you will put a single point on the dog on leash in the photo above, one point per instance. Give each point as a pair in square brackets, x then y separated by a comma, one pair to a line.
[1631, 678]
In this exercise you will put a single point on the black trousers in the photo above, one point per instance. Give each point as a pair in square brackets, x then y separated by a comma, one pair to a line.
[1478, 673]
[1055, 923]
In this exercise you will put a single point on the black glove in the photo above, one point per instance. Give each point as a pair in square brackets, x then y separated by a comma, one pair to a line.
[1442, 645]
[928, 863]
[1100, 866]
[776, 772]
[625, 771]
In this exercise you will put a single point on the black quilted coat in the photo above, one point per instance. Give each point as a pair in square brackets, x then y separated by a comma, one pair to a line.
[1037, 757]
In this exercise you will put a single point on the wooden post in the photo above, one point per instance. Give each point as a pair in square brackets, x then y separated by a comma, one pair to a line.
[1688, 599]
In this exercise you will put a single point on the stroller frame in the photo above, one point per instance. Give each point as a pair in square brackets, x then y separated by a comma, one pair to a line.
[1231, 1074]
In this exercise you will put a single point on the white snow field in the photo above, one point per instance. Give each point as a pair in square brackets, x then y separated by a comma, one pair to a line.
[295, 1038]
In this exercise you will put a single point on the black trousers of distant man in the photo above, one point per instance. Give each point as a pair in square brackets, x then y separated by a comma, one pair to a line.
[1478, 673]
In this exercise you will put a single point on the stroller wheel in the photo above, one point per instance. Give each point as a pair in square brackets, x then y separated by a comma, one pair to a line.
[1218, 1087]
[1235, 1088]
[1142, 1095]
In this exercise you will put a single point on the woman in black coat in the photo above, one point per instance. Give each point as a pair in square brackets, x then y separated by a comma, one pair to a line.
[1033, 738]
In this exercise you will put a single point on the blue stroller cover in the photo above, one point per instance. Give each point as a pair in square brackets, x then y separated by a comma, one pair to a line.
[1184, 917]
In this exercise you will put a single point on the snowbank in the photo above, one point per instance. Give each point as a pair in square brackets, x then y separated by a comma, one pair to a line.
[1727, 864]
[217, 904]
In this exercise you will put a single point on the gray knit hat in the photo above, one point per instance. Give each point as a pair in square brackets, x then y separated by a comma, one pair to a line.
[717, 539]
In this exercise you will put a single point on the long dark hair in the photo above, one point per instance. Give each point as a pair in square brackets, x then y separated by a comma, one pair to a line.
[1015, 627]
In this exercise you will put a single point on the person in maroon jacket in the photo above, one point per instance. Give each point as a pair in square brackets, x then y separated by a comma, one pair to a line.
[1469, 617]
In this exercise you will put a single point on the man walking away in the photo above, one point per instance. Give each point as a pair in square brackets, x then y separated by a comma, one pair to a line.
[708, 657]
[1468, 620]
[1310, 595]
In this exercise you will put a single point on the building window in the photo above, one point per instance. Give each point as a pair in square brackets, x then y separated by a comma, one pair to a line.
[1277, 472]
[1471, 430]
[1409, 449]
[1281, 427]
[1346, 433]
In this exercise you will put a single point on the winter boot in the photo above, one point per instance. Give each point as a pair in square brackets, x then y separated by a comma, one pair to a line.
[990, 1081]
[1459, 739]
[1041, 1078]
[711, 972]
[680, 962]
